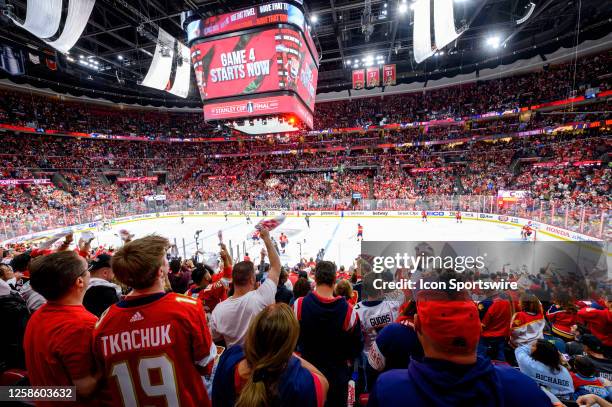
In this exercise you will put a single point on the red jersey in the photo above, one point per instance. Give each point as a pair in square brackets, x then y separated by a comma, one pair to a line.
[497, 317]
[360, 229]
[458, 215]
[283, 238]
[213, 294]
[561, 321]
[424, 214]
[83, 253]
[227, 273]
[57, 346]
[354, 299]
[150, 348]
[599, 321]
[342, 275]
[293, 277]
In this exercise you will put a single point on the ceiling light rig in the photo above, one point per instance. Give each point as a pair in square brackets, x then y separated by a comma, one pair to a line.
[531, 7]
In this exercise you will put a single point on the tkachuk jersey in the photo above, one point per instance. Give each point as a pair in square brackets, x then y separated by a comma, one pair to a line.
[152, 351]
[373, 317]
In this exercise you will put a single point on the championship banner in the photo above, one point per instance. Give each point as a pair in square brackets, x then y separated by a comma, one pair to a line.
[373, 77]
[389, 76]
[136, 179]
[35, 181]
[358, 79]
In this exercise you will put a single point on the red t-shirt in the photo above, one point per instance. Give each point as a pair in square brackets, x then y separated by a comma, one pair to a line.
[150, 349]
[57, 346]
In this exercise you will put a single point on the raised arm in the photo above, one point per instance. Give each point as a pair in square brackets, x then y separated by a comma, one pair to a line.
[275, 264]
[66, 243]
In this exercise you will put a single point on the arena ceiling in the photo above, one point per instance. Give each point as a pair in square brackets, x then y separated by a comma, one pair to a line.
[121, 35]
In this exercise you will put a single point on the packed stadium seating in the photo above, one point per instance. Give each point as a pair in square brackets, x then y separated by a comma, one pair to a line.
[560, 156]
[188, 173]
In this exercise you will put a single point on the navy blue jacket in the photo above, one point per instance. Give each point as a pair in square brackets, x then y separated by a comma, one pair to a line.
[430, 382]
[296, 387]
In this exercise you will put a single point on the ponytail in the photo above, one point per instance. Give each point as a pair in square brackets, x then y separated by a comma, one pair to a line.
[254, 394]
[269, 344]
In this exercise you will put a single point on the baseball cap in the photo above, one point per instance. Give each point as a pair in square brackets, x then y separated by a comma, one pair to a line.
[453, 325]
[103, 260]
[592, 342]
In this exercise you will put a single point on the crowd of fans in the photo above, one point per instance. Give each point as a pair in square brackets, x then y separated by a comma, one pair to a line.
[555, 83]
[252, 333]
[565, 169]
[138, 325]
[318, 170]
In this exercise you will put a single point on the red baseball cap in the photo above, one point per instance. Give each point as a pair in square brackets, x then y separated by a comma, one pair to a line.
[453, 324]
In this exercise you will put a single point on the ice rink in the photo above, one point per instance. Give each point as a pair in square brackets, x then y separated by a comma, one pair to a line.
[336, 235]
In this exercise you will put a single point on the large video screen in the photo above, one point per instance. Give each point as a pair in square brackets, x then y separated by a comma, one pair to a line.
[252, 63]
[264, 14]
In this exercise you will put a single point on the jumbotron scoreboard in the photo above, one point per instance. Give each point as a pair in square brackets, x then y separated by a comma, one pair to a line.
[255, 63]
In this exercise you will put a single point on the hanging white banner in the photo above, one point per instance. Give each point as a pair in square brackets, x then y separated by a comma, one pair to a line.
[444, 23]
[161, 65]
[78, 15]
[421, 35]
[42, 17]
[182, 78]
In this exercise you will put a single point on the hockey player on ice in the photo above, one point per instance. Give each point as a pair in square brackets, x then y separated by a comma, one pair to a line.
[527, 231]
[458, 217]
[283, 241]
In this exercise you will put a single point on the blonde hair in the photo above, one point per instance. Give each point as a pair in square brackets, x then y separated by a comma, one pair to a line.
[137, 262]
[269, 344]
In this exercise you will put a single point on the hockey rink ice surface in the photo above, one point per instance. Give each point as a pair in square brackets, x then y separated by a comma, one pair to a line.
[334, 234]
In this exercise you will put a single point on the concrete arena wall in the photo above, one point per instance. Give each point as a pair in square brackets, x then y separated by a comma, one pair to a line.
[553, 231]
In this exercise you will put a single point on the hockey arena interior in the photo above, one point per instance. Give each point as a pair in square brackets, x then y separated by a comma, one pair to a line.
[305, 203]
